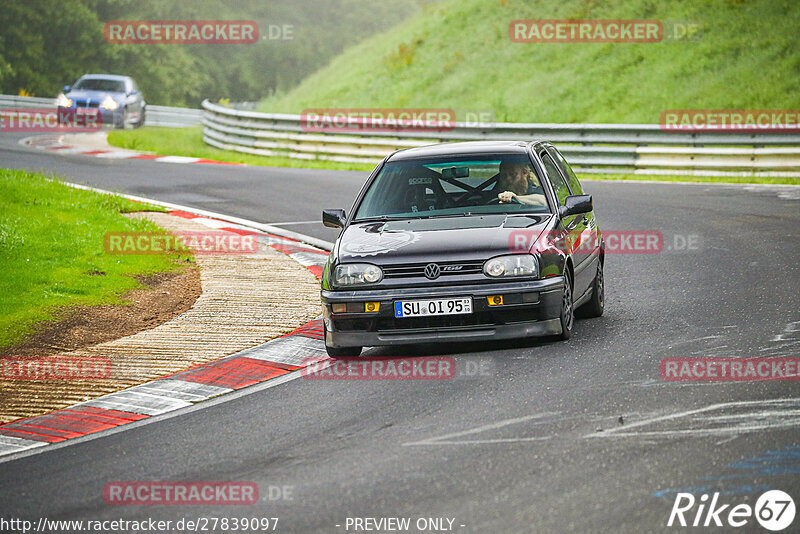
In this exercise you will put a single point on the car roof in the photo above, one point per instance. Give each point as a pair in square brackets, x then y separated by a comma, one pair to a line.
[465, 148]
[105, 77]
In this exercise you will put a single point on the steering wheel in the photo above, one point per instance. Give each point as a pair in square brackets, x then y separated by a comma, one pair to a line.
[480, 193]
[471, 198]
[514, 200]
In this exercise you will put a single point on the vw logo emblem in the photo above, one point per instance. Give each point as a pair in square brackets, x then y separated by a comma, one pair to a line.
[432, 271]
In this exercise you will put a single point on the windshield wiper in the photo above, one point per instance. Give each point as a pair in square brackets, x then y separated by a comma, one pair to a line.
[386, 218]
[381, 218]
[442, 216]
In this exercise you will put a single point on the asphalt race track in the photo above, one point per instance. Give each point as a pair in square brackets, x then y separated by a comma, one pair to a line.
[531, 443]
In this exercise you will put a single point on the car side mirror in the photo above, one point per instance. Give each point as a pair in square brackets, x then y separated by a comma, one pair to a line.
[67, 88]
[575, 204]
[334, 218]
[133, 92]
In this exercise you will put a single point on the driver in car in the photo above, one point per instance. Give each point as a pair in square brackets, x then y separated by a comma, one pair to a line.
[517, 181]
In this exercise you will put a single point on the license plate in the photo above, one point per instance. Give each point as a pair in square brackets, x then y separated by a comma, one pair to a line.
[420, 308]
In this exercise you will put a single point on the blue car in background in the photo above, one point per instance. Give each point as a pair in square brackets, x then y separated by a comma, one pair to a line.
[115, 99]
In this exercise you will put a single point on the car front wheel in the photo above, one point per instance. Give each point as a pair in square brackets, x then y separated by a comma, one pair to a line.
[594, 308]
[567, 316]
[140, 123]
[341, 352]
[123, 121]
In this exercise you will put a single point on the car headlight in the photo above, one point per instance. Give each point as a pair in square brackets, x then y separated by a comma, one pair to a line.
[62, 101]
[109, 103]
[512, 265]
[353, 274]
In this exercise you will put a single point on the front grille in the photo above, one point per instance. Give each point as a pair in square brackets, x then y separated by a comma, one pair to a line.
[485, 318]
[354, 325]
[82, 104]
[448, 268]
[436, 321]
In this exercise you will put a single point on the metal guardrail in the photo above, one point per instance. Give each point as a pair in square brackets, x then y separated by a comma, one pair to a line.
[172, 117]
[154, 116]
[639, 148]
[13, 101]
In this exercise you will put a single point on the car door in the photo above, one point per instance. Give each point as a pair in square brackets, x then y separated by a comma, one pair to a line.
[574, 225]
[592, 236]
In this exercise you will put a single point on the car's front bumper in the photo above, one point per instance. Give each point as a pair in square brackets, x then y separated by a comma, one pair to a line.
[531, 308]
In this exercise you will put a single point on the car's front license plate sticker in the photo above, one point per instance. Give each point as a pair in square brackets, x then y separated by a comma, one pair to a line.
[420, 308]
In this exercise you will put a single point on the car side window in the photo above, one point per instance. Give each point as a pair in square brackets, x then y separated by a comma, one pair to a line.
[574, 184]
[559, 185]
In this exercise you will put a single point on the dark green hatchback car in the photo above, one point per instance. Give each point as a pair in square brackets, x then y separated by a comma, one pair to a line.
[462, 241]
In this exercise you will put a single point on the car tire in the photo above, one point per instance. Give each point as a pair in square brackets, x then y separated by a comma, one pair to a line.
[141, 121]
[594, 308]
[343, 352]
[124, 121]
[567, 316]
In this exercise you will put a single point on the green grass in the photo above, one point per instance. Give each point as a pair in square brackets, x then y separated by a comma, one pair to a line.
[457, 54]
[51, 240]
[189, 142]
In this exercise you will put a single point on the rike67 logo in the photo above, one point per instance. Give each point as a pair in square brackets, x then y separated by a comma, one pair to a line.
[774, 510]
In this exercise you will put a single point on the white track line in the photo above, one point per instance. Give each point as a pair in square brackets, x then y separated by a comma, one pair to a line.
[440, 440]
[268, 228]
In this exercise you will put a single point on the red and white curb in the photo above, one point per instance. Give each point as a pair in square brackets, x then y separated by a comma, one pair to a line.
[312, 258]
[55, 143]
[255, 365]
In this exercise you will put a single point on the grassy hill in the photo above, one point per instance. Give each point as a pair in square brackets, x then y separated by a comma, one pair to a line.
[457, 54]
[40, 54]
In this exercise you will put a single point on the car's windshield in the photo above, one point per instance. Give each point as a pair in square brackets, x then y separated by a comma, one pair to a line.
[100, 84]
[454, 186]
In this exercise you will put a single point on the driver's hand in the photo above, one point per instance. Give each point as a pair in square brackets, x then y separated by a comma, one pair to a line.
[506, 196]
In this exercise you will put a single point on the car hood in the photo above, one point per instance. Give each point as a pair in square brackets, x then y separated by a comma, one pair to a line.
[475, 237]
[95, 96]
